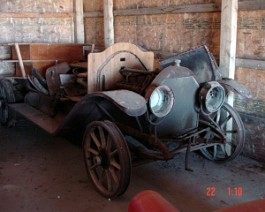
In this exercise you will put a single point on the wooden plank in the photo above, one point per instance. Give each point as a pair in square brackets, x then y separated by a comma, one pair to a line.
[108, 23]
[42, 120]
[28, 61]
[192, 8]
[160, 10]
[52, 52]
[172, 9]
[105, 66]
[93, 14]
[251, 5]
[36, 15]
[249, 63]
[79, 21]
[228, 37]
[21, 64]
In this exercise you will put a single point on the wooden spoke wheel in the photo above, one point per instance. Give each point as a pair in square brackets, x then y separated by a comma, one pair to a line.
[233, 139]
[107, 158]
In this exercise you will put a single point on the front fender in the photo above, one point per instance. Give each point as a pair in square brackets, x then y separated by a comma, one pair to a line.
[127, 101]
[236, 87]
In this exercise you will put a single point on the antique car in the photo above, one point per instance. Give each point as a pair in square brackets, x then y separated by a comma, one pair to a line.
[126, 112]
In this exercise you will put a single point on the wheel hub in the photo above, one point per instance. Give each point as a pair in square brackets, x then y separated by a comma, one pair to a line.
[104, 158]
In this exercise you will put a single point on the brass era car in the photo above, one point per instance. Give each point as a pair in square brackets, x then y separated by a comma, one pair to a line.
[127, 112]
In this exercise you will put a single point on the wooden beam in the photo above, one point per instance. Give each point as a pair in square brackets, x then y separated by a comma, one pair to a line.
[23, 72]
[108, 23]
[79, 27]
[228, 37]
[93, 14]
[172, 9]
[251, 5]
[250, 63]
[36, 15]
[160, 10]
[192, 8]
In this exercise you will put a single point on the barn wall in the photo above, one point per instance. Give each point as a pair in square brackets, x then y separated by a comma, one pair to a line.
[161, 32]
[251, 45]
[38, 29]
[30, 21]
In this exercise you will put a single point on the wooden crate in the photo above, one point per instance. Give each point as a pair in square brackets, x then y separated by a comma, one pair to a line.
[54, 52]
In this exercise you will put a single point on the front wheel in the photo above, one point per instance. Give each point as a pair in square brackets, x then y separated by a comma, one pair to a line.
[233, 139]
[107, 158]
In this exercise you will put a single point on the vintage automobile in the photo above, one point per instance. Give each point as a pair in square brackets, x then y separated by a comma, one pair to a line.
[127, 113]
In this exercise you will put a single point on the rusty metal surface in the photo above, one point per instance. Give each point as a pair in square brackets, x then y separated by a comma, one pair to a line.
[53, 79]
[200, 61]
[183, 116]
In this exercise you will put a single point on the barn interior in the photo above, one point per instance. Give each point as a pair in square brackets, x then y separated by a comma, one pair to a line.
[44, 172]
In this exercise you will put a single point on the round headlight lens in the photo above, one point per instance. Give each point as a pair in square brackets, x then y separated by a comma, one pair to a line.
[212, 97]
[161, 101]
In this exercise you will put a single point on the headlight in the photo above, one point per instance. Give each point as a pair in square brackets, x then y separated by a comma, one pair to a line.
[212, 97]
[161, 101]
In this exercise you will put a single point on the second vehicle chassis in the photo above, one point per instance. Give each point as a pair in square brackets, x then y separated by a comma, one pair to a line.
[131, 112]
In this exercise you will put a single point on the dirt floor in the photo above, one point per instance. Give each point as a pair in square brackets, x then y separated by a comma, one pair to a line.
[39, 172]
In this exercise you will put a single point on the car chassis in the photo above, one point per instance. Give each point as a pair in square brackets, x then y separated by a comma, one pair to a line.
[131, 113]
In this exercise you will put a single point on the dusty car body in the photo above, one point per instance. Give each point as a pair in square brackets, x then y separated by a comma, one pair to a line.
[131, 112]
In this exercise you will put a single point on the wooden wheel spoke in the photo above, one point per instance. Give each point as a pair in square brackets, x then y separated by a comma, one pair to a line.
[94, 166]
[112, 154]
[224, 150]
[114, 164]
[214, 151]
[114, 175]
[101, 176]
[93, 151]
[108, 147]
[225, 121]
[95, 139]
[109, 181]
[102, 137]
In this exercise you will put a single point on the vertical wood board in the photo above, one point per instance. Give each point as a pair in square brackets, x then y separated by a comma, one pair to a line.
[79, 21]
[251, 35]
[228, 37]
[108, 23]
[42, 6]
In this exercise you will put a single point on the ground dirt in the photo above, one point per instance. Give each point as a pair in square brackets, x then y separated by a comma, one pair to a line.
[39, 172]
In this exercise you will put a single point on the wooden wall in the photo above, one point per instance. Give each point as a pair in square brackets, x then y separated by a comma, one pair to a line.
[159, 32]
[25, 21]
[30, 21]
[251, 72]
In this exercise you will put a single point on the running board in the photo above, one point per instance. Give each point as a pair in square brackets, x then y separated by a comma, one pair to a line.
[50, 125]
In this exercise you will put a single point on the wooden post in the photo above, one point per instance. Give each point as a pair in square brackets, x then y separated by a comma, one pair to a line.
[108, 23]
[79, 21]
[21, 64]
[228, 51]
[228, 37]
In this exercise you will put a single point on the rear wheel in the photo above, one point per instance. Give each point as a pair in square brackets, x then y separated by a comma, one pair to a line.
[107, 158]
[233, 139]
[3, 105]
